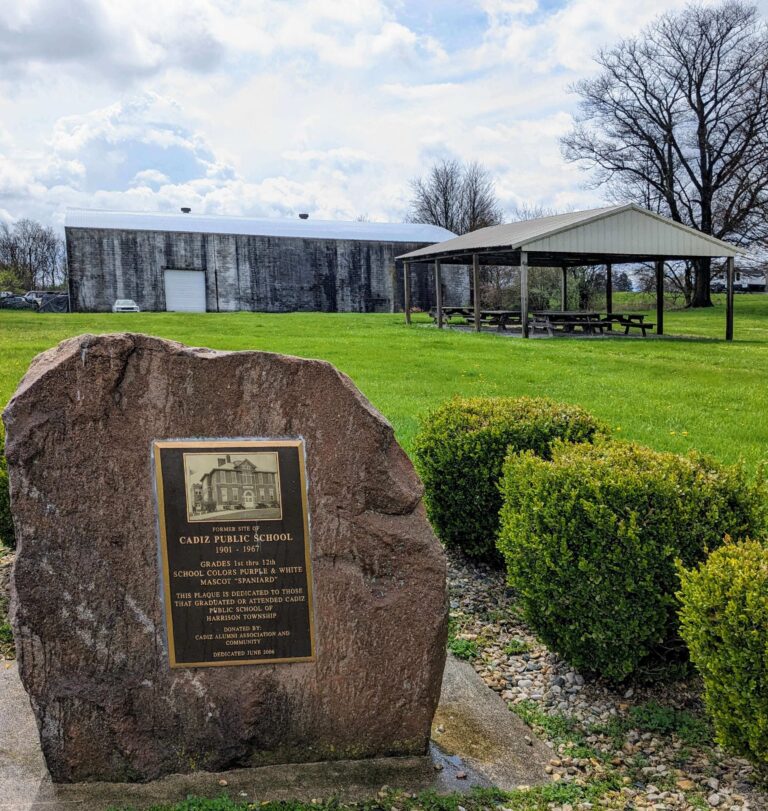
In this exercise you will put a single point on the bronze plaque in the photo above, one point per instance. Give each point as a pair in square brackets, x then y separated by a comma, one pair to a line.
[234, 548]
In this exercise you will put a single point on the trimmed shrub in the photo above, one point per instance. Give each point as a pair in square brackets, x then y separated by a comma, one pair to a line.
[724, 621]
[460, 452]
[6, 523]
[591, 539]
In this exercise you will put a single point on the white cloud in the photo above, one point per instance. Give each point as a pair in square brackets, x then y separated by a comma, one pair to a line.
[92, 160]
[342, 159]
[502, 12]
[351, 34]
[106, 38]
[150, 177]
[269, 107]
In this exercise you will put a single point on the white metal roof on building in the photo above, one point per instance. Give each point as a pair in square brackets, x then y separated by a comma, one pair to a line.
[214, 224]
[613, 230]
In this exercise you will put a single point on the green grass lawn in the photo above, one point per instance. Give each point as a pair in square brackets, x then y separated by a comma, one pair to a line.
[690, 389]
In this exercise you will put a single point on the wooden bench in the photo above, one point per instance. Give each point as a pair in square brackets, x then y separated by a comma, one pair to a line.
[452, 312]
[542, 324]
[568, 323]
[588, 327]
[630, 321]
[641, 325]
[500, 319]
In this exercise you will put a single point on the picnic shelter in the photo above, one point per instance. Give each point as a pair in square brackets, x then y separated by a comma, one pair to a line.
[609, 236]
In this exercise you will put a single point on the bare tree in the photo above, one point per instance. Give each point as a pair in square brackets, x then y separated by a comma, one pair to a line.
[32, 256]
[456, 196]
[677, 121]
[533, 211]
[480, 208]
[674, 292]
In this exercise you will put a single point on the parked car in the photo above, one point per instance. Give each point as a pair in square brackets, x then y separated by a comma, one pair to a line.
[39, 296]
[125, 305]
[6, 294]
[17, 303]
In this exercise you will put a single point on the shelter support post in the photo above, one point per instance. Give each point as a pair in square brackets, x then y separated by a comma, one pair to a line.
[729, 274]
[524, 292]
[609, 288]
[407, 291]
[659, 296]
[438, 294]
[476, 289]
[564, 289]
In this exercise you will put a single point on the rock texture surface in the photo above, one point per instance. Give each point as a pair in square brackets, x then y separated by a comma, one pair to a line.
[85, 603]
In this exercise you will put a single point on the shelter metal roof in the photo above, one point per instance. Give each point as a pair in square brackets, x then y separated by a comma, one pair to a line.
[215, 224]
[609, 233]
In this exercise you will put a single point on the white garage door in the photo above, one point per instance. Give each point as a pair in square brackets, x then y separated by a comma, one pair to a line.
[185, 291]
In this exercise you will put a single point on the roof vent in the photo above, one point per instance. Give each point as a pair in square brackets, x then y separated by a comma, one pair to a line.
[303, 216]
[185, 209]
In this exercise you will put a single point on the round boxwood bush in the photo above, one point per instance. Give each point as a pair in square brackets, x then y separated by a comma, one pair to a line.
[724, 621]
[591, 540]
[460, 452]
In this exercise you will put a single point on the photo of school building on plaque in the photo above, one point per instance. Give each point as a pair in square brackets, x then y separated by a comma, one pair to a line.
[192, 263]
[240, 486]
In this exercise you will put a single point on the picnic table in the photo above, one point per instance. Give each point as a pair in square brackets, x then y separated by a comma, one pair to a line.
[500, 319]
[589, 322]
[630, 321]
[450, 312]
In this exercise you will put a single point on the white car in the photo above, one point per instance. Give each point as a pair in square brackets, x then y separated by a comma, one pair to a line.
[125, 305]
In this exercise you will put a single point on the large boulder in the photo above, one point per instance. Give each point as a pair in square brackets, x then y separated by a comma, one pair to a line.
[86, 603]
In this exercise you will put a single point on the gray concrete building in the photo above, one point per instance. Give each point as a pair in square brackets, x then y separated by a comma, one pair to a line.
[194, 263]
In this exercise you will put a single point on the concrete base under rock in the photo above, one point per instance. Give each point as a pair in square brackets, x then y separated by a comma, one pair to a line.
[481, 739]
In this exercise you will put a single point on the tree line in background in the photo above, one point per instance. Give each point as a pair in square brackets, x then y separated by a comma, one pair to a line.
[676, 120]
[32, 257]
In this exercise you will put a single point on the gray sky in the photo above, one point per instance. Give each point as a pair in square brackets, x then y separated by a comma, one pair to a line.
[269, 107]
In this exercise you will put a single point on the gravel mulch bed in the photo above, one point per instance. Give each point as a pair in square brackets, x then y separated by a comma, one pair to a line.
[650, 744]
[6, 640]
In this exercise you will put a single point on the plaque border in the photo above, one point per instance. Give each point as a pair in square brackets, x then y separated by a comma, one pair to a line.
[165, 579]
